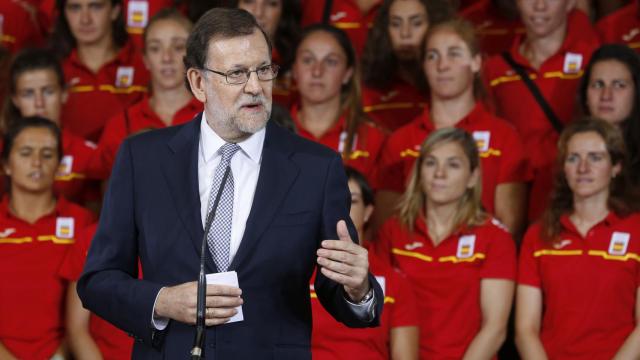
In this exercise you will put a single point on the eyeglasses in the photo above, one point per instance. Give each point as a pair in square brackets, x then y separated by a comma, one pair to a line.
[241, 76]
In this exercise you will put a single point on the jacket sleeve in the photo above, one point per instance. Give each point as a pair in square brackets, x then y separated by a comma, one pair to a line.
[337, 202]
[109, 285]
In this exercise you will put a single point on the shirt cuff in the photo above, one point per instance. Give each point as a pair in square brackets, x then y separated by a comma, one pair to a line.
[158, 322]
[364, 311]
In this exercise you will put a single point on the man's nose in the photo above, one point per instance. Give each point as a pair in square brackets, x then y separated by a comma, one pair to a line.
[253, 84]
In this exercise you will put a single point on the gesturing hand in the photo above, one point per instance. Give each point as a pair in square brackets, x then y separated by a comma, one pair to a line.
[346, 263]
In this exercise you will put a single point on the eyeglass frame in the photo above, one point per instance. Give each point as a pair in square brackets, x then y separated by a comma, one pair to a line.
[274, 68]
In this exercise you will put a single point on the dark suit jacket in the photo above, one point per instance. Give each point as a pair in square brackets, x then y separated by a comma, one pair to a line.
[151, 212]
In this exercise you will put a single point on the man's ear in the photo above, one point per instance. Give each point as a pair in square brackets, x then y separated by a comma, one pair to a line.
[197, 84]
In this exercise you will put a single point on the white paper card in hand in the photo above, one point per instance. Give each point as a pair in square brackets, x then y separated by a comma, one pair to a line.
[227, 278]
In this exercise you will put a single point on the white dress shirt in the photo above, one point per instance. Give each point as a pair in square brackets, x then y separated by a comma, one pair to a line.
[245, 167]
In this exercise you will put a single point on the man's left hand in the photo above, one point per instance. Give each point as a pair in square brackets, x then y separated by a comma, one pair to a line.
[346, 263]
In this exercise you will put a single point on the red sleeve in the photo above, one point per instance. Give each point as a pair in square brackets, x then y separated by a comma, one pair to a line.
[528, 266]
[73, 262]
[375, 143]
[515, 165]
[20, 25]
[390, 169]
[500, 261]
[405, 307]
[112, 136]
[83, 152]
[382, 245]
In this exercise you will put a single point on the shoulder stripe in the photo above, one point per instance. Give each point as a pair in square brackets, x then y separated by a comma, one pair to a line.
[456, 260]
[605, 255]
[22, 240]
[413, 254]
[557, 252]
[56, 240]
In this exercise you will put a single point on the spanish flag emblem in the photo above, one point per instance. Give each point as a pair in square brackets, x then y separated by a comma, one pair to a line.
[124, 76]
[137, 14]
[466, 246]
[619, 243]
[65, 227]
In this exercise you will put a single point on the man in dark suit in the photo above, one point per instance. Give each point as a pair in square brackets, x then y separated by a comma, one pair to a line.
[283, 208]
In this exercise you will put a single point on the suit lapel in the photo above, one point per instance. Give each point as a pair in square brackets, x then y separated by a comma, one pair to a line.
[181, 172]
[277, 174]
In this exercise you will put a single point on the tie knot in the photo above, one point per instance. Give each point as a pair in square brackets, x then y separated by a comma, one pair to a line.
[228, 150]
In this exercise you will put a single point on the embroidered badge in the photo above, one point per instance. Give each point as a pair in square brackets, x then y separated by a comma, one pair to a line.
[466, 245]
[6, 232]
[572, 63]
[482, 139]
[414, 245]
[65, 227]
[137, 14]
[124, 76]
[66, 165]
[619, 243]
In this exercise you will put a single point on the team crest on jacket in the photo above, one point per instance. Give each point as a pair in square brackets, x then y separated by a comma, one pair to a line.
[65, 227]
[137, 14]
[66, 165]
[619, 243]
[482, 139]
[124, 76]
[572, 63]
[466, 245]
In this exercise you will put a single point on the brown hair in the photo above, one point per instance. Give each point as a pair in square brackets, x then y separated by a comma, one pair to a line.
[623, 199]
[350, 94]
[467, 32]
[27, 60]
[167, 14]
[379, 62]
[217, 23]
[470, 212]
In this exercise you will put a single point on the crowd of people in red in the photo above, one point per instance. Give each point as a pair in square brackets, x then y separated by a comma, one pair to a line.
[492, 150]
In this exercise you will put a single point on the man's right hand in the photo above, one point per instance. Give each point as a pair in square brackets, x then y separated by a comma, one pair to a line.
[179, 303]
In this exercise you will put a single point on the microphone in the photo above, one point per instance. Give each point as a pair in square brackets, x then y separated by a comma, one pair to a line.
[198, 341]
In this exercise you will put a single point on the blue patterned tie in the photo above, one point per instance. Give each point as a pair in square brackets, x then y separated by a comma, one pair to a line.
[219, 236]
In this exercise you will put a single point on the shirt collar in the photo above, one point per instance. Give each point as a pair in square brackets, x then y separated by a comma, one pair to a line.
[573, 35]
[210, 143]
[610, 220]
[124, 55]
[60, 208]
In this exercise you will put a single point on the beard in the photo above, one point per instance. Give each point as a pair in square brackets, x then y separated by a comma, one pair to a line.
[239, 121]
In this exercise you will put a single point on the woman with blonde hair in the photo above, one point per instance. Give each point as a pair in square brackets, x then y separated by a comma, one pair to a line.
[578, 292]
[460, 260]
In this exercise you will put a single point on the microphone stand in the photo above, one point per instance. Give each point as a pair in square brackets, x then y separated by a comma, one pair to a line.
[198, 341]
